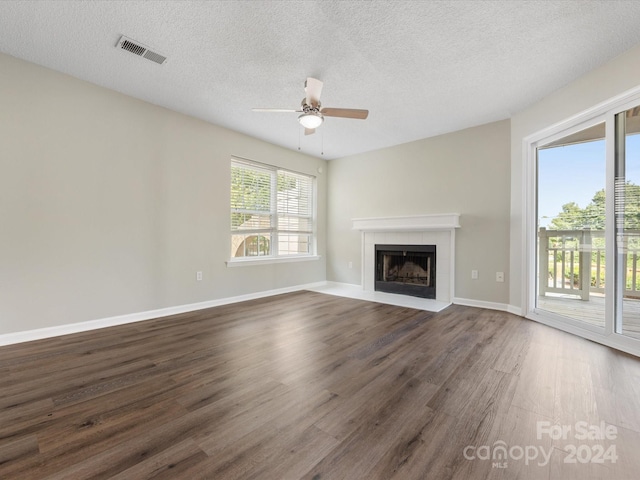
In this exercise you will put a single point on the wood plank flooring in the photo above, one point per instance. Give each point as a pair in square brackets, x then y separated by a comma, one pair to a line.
[314, 386]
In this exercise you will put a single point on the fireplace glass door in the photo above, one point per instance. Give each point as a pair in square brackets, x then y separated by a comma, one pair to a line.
[406, 270]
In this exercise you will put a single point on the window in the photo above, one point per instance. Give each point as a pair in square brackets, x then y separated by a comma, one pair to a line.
[272, 212]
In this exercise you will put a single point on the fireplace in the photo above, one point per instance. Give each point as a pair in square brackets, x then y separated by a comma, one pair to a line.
[432, 229]
[406, 269]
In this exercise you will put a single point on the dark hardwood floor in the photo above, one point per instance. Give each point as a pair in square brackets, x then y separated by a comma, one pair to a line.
[313, 386]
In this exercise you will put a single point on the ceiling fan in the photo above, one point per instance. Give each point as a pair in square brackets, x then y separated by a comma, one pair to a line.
[312, 111]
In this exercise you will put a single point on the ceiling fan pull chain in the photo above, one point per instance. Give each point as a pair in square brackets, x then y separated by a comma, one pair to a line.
[322, 142]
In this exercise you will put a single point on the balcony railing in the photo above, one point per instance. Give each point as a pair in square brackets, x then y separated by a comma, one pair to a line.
[573, 262]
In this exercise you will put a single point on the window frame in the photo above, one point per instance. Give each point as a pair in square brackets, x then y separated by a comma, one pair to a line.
[273, 231]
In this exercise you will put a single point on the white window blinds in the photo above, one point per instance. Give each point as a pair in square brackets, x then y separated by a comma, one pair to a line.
[272, 211]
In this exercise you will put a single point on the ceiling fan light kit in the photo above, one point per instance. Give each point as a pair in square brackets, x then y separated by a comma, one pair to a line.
[311, 120]
[312, 113]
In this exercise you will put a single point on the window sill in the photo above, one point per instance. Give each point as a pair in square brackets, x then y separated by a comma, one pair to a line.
[270, 260]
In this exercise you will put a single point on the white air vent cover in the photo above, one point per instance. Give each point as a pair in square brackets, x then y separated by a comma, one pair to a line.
[141, 50]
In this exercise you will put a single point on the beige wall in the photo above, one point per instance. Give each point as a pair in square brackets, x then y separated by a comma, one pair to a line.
[465, 172]
[109, 205]
[615, 77]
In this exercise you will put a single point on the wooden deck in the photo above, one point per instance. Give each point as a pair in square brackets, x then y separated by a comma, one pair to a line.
[592, 310]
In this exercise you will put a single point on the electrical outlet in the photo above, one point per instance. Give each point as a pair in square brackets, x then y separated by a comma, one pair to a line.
[499, 276]
[474, 274]
[198, 276]
[350, 264]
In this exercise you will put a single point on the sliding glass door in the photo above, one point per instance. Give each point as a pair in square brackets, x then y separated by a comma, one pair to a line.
[627, 222]
[584, 270]
[571, 227]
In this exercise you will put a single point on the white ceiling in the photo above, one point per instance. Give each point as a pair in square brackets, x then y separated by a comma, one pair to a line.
[422, 68]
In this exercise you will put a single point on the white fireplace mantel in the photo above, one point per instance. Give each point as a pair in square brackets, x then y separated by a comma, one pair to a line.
[438, 230]
[418, 223]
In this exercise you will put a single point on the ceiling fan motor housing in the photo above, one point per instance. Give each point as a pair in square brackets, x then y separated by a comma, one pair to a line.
[306, 108]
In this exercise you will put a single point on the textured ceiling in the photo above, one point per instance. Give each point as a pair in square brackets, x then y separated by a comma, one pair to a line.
[421, 68]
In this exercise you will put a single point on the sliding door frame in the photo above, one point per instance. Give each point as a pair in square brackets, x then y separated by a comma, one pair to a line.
[603, 112]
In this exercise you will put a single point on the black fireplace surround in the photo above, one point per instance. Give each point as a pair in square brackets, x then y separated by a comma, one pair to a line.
[406, 269]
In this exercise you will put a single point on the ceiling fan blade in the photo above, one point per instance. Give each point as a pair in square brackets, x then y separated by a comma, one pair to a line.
[309, 131]
[313, 89]
[345, 113]
[285, 110]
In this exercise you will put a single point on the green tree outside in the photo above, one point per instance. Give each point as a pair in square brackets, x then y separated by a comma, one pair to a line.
[592, 217]
[572, 217]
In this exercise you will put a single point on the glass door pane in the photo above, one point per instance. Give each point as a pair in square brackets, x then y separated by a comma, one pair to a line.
[571, 227]
[627, 214]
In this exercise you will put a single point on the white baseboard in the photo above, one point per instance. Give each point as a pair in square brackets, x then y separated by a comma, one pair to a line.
[515, 310]
[48, 332]
[467, 302]
[503, 307]
[329, 283]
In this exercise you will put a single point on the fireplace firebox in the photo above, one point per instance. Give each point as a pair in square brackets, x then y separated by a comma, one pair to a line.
[406, 269]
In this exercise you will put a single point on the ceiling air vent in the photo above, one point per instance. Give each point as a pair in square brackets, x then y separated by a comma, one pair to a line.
[141, 50]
